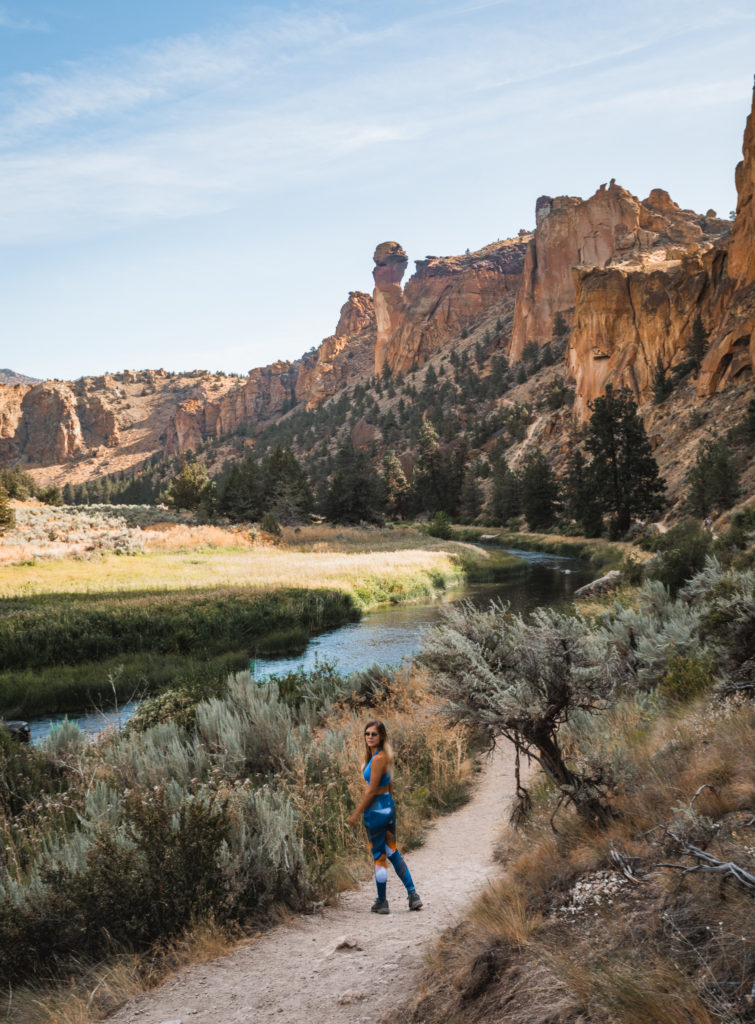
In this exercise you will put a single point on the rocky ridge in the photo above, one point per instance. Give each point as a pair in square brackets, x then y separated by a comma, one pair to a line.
[628, 276]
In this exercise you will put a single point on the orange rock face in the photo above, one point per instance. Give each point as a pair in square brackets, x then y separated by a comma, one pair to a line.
[626, 319]
[390, 265]
[442, 298]
[612, 228]
[732, 351]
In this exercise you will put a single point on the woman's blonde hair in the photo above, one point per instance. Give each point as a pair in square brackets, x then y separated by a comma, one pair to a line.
[385, 743]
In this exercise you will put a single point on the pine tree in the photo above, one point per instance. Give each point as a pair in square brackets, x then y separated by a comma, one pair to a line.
[355, 493]
[241, 496]
[506, 501]
[470, 499]
[662, 383]
[714, 479]
[626, 475]
[539, 492]
[395, 483]
[284, 486]
[7, 515]
[581, 498]
[429, 491]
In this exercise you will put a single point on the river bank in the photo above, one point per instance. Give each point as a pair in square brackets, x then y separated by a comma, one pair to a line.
[81, 633]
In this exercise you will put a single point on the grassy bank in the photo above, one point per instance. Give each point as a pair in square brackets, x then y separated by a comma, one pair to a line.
[80, 633]
[600, 554]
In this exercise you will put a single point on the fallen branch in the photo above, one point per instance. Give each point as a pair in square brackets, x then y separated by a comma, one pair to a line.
[706, 862]
[624, 863]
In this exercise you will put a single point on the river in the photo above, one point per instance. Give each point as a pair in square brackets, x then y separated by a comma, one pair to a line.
[386, 636]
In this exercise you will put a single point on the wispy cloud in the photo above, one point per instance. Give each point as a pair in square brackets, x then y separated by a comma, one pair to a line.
[195, 124]
[9, 21]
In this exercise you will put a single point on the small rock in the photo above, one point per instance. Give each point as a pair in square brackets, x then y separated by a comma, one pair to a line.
[344, 944]
[351, 995]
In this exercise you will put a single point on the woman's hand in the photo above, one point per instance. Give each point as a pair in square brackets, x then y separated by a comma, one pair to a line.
[354, 819]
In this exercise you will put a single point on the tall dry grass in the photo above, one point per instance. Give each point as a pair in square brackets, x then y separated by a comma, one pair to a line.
[664, 949]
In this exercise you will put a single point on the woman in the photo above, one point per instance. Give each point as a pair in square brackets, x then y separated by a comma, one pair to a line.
[380, 816]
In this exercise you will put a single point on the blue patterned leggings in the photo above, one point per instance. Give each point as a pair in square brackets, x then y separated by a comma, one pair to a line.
[380, 822]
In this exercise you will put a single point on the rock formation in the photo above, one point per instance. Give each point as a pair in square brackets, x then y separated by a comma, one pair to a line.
[611, 229]
[732, 350]
[348, 353]
[390, 265]
[442, 298]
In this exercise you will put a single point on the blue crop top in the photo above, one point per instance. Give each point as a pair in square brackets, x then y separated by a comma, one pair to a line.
[386, 779]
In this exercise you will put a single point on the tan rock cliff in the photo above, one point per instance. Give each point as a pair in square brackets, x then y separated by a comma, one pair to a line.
[444, 296]
[731, 355]
[348, 353]
[612, 228]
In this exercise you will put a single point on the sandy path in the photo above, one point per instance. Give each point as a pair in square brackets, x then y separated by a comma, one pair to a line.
[345, 965]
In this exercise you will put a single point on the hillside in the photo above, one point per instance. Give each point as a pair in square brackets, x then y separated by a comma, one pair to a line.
[11, 377]
[527, 332]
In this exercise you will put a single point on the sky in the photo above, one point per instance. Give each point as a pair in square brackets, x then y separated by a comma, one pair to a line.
[199, 185]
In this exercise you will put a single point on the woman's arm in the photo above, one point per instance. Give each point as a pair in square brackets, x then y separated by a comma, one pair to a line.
[377, 770]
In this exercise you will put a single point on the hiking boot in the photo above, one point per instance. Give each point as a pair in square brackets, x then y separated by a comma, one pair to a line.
[380, 907]
[415, 903]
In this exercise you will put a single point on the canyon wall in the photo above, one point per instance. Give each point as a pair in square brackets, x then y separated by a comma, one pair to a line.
[442, 298]
[731, 355]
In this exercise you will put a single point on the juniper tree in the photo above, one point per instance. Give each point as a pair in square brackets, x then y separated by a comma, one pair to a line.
[7, 515]
[714, 479]
[523, 680]
[395, 483]
[186, 490]
[626, 476]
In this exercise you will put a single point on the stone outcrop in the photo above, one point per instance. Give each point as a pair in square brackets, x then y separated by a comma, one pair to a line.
[611, 229]
[442, 298]
[348, 353]
[731, 355]
[268, 391]
[626, 320]
[50, 426]
[390, 266]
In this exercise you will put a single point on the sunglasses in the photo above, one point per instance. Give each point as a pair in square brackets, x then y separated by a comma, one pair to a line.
[372, 734]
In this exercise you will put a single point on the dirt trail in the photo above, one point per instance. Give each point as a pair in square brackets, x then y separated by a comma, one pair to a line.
[345, 965]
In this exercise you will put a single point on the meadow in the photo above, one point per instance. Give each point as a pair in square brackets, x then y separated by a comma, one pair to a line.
[152, 602]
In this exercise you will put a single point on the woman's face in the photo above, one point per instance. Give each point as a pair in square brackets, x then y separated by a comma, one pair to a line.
[372, 737]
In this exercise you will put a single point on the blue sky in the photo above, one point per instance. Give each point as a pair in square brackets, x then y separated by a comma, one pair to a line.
[199, 185]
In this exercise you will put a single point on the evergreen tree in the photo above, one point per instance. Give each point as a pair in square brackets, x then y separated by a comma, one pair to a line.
[7, 515]
[539, 492]
[662, 383]
[714, 479]
[395, 483]
[429, 482]
[189, 487]
[559, 326]
[470, 499]
[582, 503]
[506, 501]
[697, 345]
[69, 495]
[284, 486]
[626, 476]
[241, 496]
[356, 492]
